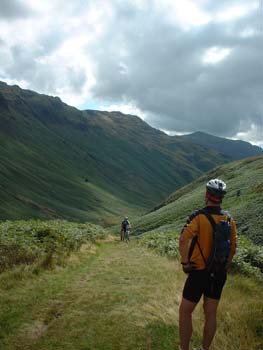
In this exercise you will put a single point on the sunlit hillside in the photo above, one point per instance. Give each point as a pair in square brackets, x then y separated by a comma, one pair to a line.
[244, 200]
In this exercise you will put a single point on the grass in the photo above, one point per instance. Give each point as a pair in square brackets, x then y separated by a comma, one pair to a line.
[246, 209]
[113, 295]
[97, 302]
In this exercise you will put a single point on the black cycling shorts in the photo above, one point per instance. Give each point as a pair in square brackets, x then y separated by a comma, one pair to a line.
[201, 282]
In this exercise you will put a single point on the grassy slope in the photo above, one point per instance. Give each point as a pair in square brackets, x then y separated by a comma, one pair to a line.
[247, 209]
[39, 174]
[235, 149]
[57, 161]
[117, 296]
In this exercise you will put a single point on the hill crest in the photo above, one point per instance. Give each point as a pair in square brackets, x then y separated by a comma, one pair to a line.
[235, 149]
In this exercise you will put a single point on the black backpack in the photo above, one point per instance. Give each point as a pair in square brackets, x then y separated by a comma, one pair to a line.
[125, 224]
[221, 243]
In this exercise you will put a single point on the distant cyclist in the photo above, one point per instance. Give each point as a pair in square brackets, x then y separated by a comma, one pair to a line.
[207, 246]
[125, 230]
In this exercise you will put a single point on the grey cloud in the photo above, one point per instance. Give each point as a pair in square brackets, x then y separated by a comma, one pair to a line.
[13, 9]
[22, 64]
[27, 63]
[166, 77]
[76, 78]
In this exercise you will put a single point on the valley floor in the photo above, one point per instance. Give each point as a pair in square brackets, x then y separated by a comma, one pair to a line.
[118, 296]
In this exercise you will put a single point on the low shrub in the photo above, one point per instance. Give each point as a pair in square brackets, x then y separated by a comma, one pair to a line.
[44, 242]
[248, 259]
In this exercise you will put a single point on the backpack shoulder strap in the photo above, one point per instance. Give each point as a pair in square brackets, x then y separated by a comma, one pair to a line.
[192, 246]
[210, 218]
[193, 243]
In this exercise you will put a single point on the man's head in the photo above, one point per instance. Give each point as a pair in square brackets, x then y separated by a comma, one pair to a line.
[215, 191]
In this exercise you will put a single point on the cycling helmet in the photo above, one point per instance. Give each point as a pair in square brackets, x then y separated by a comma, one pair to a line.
[215, 190]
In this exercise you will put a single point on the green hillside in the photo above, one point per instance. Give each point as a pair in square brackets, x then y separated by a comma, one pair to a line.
[247, 207]
[234, 149]
[59, 162]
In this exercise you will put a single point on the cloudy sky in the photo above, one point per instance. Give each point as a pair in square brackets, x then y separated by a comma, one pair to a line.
[182, 66]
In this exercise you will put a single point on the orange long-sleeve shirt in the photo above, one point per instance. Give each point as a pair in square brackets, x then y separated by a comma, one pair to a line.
[200, 226]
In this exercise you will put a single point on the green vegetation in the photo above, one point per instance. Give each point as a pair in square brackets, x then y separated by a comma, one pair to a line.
[61, 286]
[114, 295]
[42, 244]
[247, 261]
[246, 207]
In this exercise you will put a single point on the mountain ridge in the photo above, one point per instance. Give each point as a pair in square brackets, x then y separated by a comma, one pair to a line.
[86, 165]
[235, 149]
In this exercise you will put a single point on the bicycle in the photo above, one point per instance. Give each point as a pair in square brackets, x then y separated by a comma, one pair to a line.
[127, 236]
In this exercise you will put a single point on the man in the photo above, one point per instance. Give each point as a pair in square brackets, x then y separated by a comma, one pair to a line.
[125, 229]
[196, 247]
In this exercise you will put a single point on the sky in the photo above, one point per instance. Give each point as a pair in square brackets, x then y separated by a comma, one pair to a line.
[182, 66]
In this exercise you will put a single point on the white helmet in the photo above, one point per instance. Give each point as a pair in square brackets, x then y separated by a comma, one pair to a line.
[216, 188]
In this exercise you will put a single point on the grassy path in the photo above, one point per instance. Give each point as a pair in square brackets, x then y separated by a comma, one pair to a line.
[112, 296]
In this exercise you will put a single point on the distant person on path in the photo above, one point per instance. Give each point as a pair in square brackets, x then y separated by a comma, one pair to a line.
[207, 246]
[125, 229]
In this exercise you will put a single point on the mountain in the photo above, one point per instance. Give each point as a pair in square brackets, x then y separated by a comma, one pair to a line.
[59, 162]
[244, 200]
[234, 149]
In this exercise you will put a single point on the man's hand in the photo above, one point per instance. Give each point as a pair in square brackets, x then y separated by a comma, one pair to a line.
[188, 266]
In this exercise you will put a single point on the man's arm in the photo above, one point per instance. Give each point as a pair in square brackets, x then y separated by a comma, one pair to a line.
[184, 244]
[187, 234]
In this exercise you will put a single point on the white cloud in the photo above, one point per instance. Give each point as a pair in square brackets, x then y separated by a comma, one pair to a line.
[248, 33]
[232, 13]
[215, 54]
[173, 133]
[21, 83]
[124, 108]
[254, 135]
[185, 13]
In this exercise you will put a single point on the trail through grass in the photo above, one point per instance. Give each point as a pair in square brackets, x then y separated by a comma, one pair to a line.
[115, 296]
